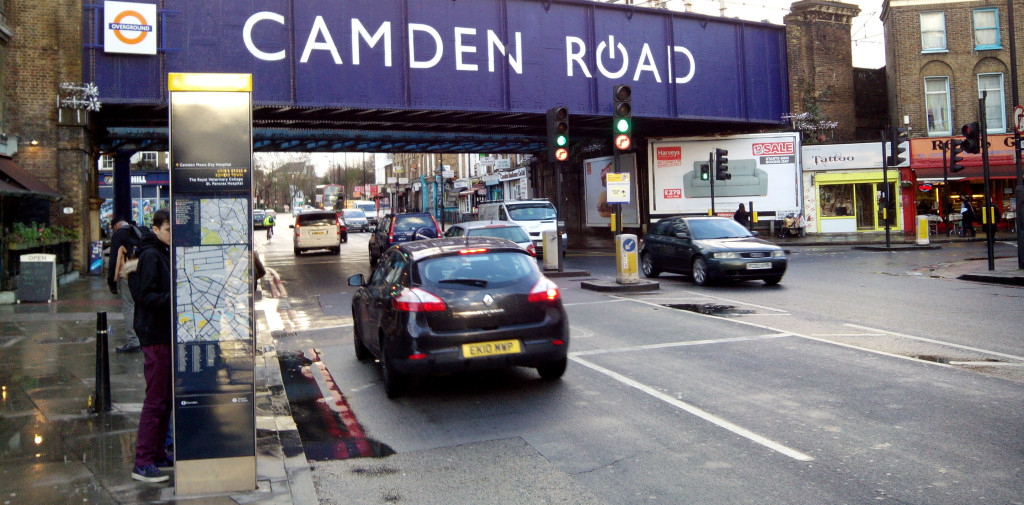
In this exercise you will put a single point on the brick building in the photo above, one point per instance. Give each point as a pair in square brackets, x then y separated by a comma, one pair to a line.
[40, 48]
[940, 56]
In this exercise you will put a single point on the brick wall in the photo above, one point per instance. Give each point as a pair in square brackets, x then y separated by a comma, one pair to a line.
[45, 50]
[821, 62]
[907, 66]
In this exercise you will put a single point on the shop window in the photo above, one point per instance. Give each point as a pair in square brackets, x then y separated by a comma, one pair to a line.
[936, 93]
[986, 29]
[836, 200]
[933, 32]
[995, 108]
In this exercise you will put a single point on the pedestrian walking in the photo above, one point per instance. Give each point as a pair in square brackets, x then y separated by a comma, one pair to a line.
[126, 235]
[741, 215]
[968, 216]
[153, 325]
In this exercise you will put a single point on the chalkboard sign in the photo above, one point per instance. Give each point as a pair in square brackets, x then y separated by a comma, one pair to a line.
[37, 281]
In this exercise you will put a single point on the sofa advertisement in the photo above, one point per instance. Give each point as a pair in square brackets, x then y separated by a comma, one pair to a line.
[764, 169]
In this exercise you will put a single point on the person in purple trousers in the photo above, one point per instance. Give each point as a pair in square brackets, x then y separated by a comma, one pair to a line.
[151, 288]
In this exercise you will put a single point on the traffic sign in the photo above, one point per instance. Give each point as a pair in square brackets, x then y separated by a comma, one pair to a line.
[1018, 118]
[622, 142]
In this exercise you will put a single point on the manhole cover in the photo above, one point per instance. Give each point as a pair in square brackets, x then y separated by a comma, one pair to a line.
[712, 309]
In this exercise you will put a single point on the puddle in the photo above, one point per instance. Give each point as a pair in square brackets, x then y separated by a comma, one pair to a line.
[324, 433]
[711, 309]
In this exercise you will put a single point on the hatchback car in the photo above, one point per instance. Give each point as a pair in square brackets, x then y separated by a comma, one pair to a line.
[708, 249]
[398, 228]
[355, 219]
[258, 217]
[458, 304]
[500, 229]
[318, 229]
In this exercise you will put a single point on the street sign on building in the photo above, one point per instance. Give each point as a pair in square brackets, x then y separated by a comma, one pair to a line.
[503, 164]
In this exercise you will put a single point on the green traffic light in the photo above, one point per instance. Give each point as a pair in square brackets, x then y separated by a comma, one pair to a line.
[561, 140]
[622, 125]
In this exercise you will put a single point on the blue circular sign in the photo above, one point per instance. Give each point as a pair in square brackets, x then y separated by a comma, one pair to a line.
[629, 245]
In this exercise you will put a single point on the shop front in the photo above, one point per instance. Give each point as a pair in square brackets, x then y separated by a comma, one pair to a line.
[150, 191]
[845, 189]
[515, 184]
[494, 187]
[942, 193]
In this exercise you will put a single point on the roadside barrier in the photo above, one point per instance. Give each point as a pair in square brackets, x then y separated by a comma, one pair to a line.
[101, 398]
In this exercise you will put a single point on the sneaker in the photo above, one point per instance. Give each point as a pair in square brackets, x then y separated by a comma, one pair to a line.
[148, 473]
[128, 348]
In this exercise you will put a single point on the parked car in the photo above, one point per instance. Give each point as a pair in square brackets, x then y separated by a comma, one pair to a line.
[397, 228]
[258, 216]
[535, 216]
[318, 229]
[709, 249]
[458, 304]
[500, 229]
[356, 219]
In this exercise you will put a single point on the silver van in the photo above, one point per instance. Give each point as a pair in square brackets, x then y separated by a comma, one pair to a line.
[535, 216]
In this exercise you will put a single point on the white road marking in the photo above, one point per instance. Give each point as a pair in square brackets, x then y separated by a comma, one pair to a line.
[591, 303]
[707, 416]
[984, 363]
[15, 340]
[933, 341]
[847, 334]
[679, 344]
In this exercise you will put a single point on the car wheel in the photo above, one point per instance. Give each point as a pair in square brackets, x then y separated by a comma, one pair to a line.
[552, 370]
[344, 239]
[297, 251]
[337, 250]
[362, 353]
[773, 280]
[394, 381]
[647, 265]
[700, 271]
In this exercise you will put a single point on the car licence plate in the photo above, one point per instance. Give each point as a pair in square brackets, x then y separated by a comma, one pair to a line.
[758, 266]
[495, 348]
[321, 232]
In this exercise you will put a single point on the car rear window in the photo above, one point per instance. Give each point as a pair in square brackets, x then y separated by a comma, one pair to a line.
[413, 223]
[513, 233]
[531, 211]
[494, 268]
[354, 214]
[313, 218]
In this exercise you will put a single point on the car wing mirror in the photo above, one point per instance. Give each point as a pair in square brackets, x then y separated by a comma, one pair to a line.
[292, 226]
[682, 234]
[755, 233]
[357, 280]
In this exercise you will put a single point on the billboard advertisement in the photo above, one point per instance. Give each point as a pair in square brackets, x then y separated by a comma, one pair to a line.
[764, 168]
[595, 183]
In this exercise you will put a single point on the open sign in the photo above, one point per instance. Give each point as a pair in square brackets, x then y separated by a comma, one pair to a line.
[924, 188]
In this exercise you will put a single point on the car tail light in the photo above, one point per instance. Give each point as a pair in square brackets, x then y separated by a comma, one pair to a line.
[417, 300]
[532, 250]
[544, 291]
[391, 232]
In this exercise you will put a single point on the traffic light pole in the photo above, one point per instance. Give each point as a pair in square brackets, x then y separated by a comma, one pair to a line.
[559, 226]
[618, 206]
[885, 184]
[945, 187]
[1019, 190]
[986, 208]
[711, 178]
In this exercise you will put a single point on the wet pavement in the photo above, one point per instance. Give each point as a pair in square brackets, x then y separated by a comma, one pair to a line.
[55, 449]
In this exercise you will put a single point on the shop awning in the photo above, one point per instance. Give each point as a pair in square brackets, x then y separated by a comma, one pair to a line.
[8, 189]
[16, 178]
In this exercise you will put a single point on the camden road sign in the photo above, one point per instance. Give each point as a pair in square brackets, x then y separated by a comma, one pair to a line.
[481, 55]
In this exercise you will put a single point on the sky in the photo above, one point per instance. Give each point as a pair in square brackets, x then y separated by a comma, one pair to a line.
[866, 30]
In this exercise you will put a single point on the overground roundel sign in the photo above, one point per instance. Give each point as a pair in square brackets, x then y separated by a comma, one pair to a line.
[129, 28]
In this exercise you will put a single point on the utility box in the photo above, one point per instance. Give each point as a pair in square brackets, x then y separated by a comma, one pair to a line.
[922, 230]
[625, 259]
[551, 251]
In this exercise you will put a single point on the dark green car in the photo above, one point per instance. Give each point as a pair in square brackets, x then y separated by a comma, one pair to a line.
[709, 249]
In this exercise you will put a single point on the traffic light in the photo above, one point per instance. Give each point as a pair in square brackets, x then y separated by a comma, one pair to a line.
[972, 138]
[558, 134]
[705, 172]
[722, 165]
[622, 118]
[956, 146]
[897, 136]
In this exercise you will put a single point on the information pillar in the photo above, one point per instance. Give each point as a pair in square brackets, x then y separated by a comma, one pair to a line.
[212, 288]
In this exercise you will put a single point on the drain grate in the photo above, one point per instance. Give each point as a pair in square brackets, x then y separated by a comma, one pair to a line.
[711, 309]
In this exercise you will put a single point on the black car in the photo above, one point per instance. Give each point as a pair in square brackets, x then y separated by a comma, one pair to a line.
[397, 228]
[458, 304]
[710, 248]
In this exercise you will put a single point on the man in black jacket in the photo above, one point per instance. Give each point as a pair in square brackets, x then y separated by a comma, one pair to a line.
[152, 281]
[125, 234]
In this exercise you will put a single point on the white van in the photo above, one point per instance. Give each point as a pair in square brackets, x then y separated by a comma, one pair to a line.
[535, 216]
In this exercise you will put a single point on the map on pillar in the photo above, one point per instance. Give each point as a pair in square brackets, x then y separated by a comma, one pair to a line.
[212, 271]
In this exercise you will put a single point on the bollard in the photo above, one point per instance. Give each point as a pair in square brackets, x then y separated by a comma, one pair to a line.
[101, 399]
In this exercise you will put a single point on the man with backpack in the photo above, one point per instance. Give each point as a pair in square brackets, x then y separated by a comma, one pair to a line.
[123, 244]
